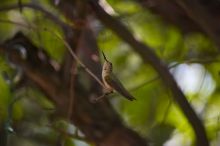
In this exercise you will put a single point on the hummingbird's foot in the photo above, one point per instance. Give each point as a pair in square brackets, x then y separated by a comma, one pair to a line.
[107, 91]
[95, 100]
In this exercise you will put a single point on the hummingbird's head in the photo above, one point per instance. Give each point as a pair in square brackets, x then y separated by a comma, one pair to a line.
[107, 66]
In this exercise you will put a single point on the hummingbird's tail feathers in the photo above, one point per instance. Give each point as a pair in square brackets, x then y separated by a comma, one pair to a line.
[128, 96]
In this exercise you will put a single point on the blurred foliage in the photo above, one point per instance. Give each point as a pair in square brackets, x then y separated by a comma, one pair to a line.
[154, 115]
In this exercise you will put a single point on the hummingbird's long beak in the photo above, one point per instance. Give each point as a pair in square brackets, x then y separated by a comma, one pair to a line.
[104, 56]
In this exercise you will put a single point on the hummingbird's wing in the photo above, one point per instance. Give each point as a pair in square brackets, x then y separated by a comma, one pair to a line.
[117, 85]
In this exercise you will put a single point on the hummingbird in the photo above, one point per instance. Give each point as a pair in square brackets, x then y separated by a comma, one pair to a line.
[111, 82]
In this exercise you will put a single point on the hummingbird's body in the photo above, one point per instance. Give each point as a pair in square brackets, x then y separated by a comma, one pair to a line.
[111, 82]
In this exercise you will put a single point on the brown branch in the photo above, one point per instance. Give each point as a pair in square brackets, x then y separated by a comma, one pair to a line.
[66, 45]
[155, 78]
[150, 57]
[47, 13]
[76, 57]
[99, 122]
[45, 77]
[198, 14]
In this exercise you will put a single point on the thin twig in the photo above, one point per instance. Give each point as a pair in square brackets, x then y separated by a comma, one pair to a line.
[172, 66]
[67, 46]
[167, 110]
[76, 57]
[95, 100]
[203, 80]
[101, 97]
[145, 83]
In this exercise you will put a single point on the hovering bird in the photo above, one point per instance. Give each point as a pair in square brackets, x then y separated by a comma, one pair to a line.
[111, 82]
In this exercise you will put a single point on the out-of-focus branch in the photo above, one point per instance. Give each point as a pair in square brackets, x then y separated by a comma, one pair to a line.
[78, 60]
[45, 77]
[198, 14]
[150, 57]
[155, 78]
[99, 122]
[47, 13]
[66, 45]
[188, 15]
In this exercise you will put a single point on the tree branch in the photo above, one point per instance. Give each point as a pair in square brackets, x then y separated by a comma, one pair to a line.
[150, 57]
[156, 77]
[77, 59]
[47, 13]
[99, 122]
[66, 45]
[198, 14]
